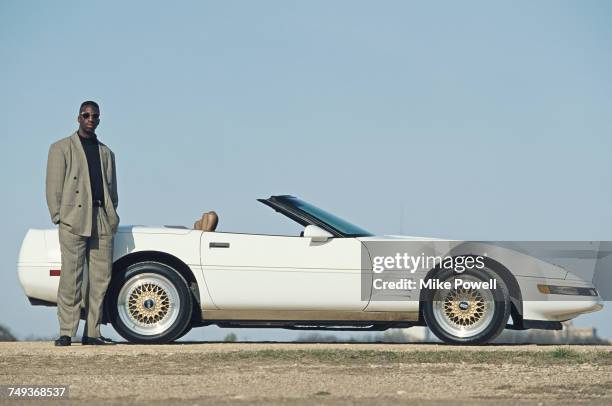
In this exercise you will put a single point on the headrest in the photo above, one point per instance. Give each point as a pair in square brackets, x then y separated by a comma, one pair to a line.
[208, 222]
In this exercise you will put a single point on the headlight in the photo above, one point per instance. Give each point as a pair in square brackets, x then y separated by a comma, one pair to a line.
[566, 290]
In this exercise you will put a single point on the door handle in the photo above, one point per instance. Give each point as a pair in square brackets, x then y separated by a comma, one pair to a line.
[218, 245]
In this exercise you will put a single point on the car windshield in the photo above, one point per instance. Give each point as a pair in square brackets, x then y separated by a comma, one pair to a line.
[343, 226]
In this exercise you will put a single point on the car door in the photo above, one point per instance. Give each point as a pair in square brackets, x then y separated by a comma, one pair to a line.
[270, 272]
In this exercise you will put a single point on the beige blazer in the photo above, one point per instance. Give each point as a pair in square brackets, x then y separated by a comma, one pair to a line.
[68, 187]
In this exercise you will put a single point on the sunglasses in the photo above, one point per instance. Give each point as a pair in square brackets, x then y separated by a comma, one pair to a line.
[86, 115]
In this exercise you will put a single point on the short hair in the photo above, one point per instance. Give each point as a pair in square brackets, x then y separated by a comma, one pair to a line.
[89, 103]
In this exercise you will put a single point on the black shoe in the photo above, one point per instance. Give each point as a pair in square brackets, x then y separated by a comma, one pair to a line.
[63, 341]
[96, 341]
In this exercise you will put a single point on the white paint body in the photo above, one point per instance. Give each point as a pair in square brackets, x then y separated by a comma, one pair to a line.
[281, 273]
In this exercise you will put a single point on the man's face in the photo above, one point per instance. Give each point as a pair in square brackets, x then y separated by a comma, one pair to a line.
[89, 118]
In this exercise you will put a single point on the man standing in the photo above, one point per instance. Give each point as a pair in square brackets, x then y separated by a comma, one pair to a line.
[81, 188]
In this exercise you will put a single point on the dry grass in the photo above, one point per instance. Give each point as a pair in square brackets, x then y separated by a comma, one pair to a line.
[555, 356]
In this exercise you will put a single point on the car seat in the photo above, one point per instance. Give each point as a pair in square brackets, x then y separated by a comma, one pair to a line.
[208, 222]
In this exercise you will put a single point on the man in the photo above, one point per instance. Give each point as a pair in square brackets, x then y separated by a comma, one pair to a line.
[81, 188]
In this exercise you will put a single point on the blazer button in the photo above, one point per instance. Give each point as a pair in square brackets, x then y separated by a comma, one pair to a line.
[79, 205]
[75, 178]
[77, 191]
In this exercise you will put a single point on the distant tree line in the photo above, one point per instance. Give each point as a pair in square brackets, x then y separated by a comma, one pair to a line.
[5, 334]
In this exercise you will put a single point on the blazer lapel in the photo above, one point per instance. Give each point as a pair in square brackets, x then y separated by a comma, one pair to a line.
[77, 146]
[104, 161]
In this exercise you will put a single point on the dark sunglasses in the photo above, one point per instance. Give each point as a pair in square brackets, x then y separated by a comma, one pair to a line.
[87, 115]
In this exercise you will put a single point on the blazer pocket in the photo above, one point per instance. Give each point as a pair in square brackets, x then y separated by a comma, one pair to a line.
[65, 215]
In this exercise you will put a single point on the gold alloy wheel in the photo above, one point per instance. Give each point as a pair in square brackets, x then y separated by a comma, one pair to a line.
[464, 307]
[148, 303]
[461, 312]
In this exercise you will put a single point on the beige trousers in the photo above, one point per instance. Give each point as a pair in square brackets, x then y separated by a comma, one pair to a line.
[97, 252]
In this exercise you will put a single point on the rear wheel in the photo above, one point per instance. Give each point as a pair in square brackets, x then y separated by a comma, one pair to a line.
[467, 315]
[150, 303]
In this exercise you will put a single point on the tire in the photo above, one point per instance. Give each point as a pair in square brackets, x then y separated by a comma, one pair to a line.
[484, 318]
[196, 317]
[150, 303]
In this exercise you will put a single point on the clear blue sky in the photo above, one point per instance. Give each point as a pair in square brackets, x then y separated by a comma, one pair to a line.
[483, 120]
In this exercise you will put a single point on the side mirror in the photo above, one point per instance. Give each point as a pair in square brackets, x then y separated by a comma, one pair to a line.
[316, 233]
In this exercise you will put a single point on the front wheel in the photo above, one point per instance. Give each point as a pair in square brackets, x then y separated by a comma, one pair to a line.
[468, 313]
[150, 303]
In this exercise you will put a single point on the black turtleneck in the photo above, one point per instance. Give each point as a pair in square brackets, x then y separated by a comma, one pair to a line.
[92, 152]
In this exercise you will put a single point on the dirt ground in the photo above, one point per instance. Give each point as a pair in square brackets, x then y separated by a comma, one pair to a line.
[312, 374]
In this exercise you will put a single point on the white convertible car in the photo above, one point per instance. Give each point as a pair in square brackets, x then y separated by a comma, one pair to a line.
[169, 279]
